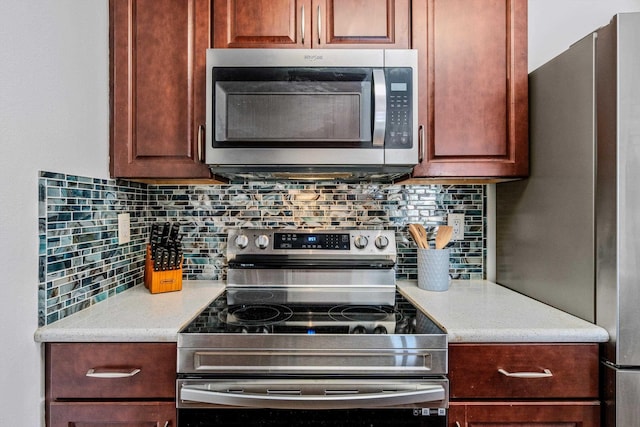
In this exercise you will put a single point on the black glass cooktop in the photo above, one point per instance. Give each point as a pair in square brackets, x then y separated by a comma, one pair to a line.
[259, 312]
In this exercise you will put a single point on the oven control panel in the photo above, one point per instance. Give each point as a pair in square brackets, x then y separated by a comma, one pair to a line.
[310, 242]
[333, 241]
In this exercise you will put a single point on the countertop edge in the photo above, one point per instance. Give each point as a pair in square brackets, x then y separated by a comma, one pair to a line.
[473, 311]
[120, 318]
[453, 310]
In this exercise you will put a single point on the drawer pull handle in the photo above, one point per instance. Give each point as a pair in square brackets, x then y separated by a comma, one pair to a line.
[96, 373]
[546, 374]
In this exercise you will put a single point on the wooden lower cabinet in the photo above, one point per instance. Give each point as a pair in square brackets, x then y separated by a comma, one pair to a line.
[112, 414]
[524, 385]
[110, 384]
[524, 414]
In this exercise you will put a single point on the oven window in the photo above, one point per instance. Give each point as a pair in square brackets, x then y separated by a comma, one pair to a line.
[308, 418]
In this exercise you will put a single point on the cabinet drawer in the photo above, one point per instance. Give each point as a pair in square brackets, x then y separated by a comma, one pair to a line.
[500, 371]
[111, 414]
[110, 370]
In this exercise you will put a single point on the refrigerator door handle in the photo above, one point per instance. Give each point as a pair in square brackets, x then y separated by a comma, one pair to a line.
[545, 374]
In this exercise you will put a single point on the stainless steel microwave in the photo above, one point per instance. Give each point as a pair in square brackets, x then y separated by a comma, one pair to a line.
[307, 112]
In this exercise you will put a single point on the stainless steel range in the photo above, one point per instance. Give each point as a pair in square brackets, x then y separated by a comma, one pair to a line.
[311, 331]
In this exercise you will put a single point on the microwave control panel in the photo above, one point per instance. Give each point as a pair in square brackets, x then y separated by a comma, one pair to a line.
[399, 108]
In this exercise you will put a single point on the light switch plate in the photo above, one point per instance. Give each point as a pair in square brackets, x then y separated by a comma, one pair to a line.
[124, 228]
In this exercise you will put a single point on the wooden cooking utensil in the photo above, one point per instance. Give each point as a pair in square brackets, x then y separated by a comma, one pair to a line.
[419, 235]
[444, 236]
[415, 234]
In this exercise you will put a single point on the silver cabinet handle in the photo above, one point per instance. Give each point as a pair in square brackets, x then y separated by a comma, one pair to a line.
[458, 424]
[166, 424]
[545, 374]
[421, 146]
[98, 373]
[302, 24]
[380, 111]
[200, 143]
[319, 24]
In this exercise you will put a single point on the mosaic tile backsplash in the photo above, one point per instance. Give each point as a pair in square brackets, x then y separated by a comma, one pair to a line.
[82, 264]
[80, 261]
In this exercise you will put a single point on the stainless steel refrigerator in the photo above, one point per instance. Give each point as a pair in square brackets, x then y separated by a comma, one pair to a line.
[569, 235]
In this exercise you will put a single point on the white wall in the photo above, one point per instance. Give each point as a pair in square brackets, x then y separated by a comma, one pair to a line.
[54, 116]
[556, 24]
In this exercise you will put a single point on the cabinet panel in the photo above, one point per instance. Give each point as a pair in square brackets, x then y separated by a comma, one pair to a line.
[262, 23]
[364, 23]
[525, 414]
[111, 414]
[474, 371]
[157, 87]
[311, 24]
[473, 87]
[68, 365]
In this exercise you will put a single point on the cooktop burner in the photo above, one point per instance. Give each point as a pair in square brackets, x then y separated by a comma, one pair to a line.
[256, 315]
[259, 315]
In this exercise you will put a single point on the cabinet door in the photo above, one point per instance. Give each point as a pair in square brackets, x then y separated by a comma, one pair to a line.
[157, 54]
[112, 414]
[525, 414]
[473, 87]
[381, 24]
[311, 24]
[262, 23]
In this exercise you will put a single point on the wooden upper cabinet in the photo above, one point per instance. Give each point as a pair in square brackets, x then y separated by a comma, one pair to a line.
[157, 87]
[473, 105]
[311, 24]
[363, 23]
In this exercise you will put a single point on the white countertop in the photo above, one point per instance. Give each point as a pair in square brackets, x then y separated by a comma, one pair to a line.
[481, 311]
[134, 315]
[470, 311]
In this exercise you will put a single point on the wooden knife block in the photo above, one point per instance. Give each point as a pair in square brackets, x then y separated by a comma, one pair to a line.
[161, 281]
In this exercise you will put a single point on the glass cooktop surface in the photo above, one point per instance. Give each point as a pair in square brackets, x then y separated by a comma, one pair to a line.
[266, 312]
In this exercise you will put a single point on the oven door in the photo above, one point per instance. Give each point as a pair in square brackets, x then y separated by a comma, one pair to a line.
[313, 402]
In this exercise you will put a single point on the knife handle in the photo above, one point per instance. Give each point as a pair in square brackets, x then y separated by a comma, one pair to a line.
[157, 260]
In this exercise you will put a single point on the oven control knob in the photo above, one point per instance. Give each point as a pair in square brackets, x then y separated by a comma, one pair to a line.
[359, 330]
[262, 241]
[381, 330]
[382, 242]
[361, 242]
[242, 241]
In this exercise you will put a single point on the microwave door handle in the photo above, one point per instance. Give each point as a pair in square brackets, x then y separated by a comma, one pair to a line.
[302, 29]
[284, 400]
[319, 25]
[380, 109]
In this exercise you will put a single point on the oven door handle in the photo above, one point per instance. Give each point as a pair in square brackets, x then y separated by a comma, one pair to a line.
[294, 397]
